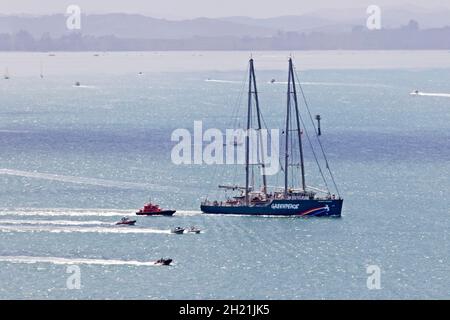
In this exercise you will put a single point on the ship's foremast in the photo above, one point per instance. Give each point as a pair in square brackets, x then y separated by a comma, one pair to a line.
[253, 95]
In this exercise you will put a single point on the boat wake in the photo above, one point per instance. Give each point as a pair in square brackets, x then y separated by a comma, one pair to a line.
[59, 261]
[81, 180]
[187, 213]
[83, 86]
[334, 84]
[68, 229]
[310, 83]
[67, 212]
[55, 222]
[222, 81]
[430, 94]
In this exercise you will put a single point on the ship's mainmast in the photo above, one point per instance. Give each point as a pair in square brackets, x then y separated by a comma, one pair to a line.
[292, 95]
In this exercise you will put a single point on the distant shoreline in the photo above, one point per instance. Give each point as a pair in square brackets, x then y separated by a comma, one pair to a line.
[131, 62]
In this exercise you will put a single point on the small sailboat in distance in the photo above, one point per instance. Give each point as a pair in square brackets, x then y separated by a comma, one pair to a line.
[41, 73]
[290, 199]
[6, 75]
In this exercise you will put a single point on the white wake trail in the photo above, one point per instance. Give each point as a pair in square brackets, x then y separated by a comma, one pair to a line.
[67, 212]
[59, 261]
[221, 81]
[334, 84]
[104, 230]
[54, 222]
[430, 94]
[81, 180]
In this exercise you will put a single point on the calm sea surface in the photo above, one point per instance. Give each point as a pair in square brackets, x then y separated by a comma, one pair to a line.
[74, 160]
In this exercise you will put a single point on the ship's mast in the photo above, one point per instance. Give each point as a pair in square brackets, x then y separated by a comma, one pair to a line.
[247, 139]
[253, 92]
[286, 133]
[261, 145]
[292, 91]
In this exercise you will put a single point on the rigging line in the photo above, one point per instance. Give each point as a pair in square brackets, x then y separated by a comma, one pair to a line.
[233, 121]
[293, 149]
[236, 121]
[314, 153]
[238, 101]
[317, 135]
[281, 126]
[271, 141]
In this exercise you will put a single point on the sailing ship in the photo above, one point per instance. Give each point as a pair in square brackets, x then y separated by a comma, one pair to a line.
[6, 75]
[289, 200]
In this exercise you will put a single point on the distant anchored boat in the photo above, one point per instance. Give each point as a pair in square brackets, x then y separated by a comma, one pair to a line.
[291, 199]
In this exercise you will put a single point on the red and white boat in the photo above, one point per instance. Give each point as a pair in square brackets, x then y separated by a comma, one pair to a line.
[151, 209]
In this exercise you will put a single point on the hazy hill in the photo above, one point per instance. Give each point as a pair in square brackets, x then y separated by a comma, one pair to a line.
[131, 26]
[344, 19]
[143, 27]
[402, 28]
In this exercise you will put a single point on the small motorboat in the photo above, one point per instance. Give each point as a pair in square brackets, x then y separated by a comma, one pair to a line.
[163, 262]
[415, 93]
[126, 221]
[193, 230]
[151, 209]
[177, 230]
[77, 84]
[273, 80]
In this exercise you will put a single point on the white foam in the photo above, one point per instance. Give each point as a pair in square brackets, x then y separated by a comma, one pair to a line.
[430, 94]
[66, 212]
[187, 213]
[222, 81]
[80, 180]
[333, 84]
[104, 230]
[57, 260]
[54, 222]
[58, 212]
[83, 86]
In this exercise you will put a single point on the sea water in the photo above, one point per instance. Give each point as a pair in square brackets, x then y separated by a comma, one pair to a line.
[74, 160]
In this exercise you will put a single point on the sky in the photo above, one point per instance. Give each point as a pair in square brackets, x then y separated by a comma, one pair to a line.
[182, 9]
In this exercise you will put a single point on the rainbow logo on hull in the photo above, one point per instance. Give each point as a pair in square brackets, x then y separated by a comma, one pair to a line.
[315, 211]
